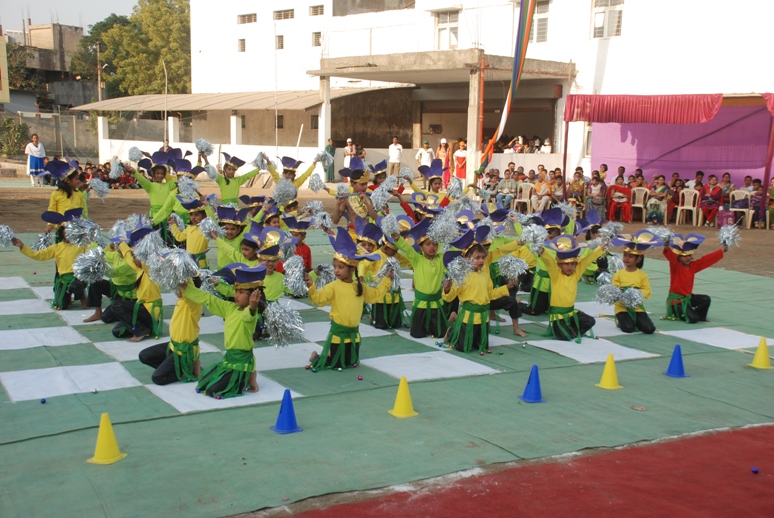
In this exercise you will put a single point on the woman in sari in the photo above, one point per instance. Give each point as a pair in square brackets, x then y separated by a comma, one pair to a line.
[596, 196]
[726, 188]
[657, 200]
[444, 154]
[541, 196]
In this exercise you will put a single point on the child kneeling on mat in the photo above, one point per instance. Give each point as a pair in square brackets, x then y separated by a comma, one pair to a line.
[632, 276]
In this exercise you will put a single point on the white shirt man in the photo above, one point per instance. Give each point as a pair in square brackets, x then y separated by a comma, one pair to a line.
[395, 152]
[425, 155]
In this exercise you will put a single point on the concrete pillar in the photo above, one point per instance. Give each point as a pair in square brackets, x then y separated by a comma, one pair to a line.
[173, 129]
[416, 124]
[103, 140]
[236, 130]
[473, 136]
[324, 122]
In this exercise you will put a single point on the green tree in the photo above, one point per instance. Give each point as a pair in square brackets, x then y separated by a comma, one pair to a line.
[19, 76]
[14, 136]
[159, 31]
[84, 61]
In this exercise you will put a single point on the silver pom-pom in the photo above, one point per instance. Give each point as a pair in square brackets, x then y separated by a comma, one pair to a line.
[207, 226]
[212, 173]
[287, 252]
[315, 183]
[609, 230]
[213, 201]
[604, 278]
[567, 208]
[463, 203]
[187, 188]
[614, 263]
[534, 236]
[367, 166]
[284, 192]
[390, 265]
[487, 222]
[82, 232]
[283, 325]
[608, 294]
[203, 146]
[90, 266]
[116, 169]
[148, 247]
[6, 236]
[631, 298]
[729, 235]
[44, 241]
[390, 225]
[458, 270]
[406, 175]
[324, 158]
[443, 229]
[325, 275]
[664, 234]
[313, 207]
[261, 162]
[342, 190]
[135, 154]
[594, 243]
[137, 220]
[172, 267]
[323, 221]
[208, 281]
[525, 219]
[293, 270]
[100, 188]
[485, 194]
[381, 197]
[511, 268]
[454, 191]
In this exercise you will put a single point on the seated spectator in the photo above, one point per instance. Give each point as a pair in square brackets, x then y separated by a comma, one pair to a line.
[506, 189]
[541, 196]
[557, 188]
[531, 177]
[639, 181]
[657, 200]
[675, 179]
[620, 197]
[748, 184]
[576, 189]
[674, 199]
[596, 197]
[710, 200]
[756, 201]
[631, 181]
[127, 181]
[697, 182]
[546, 147]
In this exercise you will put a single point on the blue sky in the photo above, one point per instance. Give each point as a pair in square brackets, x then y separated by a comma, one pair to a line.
[69, 12]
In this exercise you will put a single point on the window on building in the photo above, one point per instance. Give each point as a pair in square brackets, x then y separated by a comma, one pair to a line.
[247, 18]
[607, 18]
[280, 121]
[316, 10]
[287, 14]
[315, 122]
[447, 24]
[240, 45]
[316, 39]
[279, 42]
[538, 31]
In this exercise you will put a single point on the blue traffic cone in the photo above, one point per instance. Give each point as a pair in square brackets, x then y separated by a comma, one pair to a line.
[532, 393]
[676, 369]
[286, 420]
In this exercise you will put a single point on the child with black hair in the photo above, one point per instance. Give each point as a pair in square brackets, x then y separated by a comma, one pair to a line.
[196, 243]
[632, 276]
[346, 296]
[234, 225]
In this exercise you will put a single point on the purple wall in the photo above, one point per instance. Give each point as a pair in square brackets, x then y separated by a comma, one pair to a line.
[736, 141]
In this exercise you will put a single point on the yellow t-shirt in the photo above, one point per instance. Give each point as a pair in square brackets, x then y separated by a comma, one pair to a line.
[477, 289]
[184, 326]
[147, 291]
[564, 288]
[63, 253]
[195, 241]
[368, 270]
[637, 279]
[346, 306]
[59, 202]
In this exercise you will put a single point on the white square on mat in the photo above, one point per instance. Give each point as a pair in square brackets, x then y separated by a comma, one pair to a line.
[60, 381]
[25, 307]
[318, 331]
[294, 355]
[719, 337]
[428, 341]
[590, 350]
[207, 325]
[184, 398]
[595, 309]
[606, 327]
[124, 351]
[48, 336]
[296, 305]
[76, 317]
[169, 299]
[44, 292]
[12, 283]
[427, 366]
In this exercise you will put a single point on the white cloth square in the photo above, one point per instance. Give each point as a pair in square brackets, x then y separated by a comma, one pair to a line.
[595, 309]
[124, 351]
[207, 325]
[590, 350]
[184, 398]
[48, 336]
[59, 381]
[12, 283]
[427, 366]
[25, 307]
[719, 337]
[169, 299]
[428, 341]
[294, 355]
[606, 327]
[318, 331]
[44, 292]
[296, 305]
[76, 317]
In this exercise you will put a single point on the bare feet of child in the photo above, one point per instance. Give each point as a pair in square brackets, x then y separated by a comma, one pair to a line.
[452, 317]
[520, 332]
[253, 387]
[314, 356]
[96, 316]
[252, 383]
[493, 316]
[197, 367]
[136, 339]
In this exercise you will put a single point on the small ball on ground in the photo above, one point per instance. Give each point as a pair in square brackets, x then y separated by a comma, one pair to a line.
[43, 401]
[339, 369]
[218, 397]
[360, 378]
[354, 365]
[94, 391]
[754, 470]
[501, 352]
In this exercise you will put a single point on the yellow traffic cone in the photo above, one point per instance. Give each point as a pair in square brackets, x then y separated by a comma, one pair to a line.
[106, 451]
[761, 360]
[609, 379]
[403, 407]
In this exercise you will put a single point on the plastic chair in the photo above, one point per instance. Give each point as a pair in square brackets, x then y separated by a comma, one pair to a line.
[523, 196]
[747, 213]
[640, 200]
[689, 202]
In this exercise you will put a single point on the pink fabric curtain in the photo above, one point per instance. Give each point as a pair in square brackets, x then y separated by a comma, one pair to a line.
[650, 109]
[769, 98]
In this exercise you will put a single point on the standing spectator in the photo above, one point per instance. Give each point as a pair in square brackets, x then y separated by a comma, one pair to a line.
[697, 182]
[35, 154]
[395, 152]
[331, 150]
[461, 161]
[165, 148]
[360, 151]
[425, 154]
[444, 155]
[349, 151]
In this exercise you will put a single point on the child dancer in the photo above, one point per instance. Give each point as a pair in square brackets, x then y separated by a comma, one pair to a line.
[427, 315]
[247, 250]
[289, 169]
[539, 300]
[158, 188]
[564, 321]
[298, 229]
[228, 182]
[64, 254]
[67, 195]
[272, 239]
[196, 243]
[177, 360]
[234, 224]
[682, 303]
[235, 373]
[346, 296]
[119, 286]
[632, 276]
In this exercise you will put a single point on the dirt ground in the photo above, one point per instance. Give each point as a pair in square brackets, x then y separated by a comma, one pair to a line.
[20, 208]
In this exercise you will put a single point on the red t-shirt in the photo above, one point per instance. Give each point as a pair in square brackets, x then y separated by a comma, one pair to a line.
[681, 277]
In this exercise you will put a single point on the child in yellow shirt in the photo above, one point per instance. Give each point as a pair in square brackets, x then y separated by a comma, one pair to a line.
[632, 276]
[196, 243]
